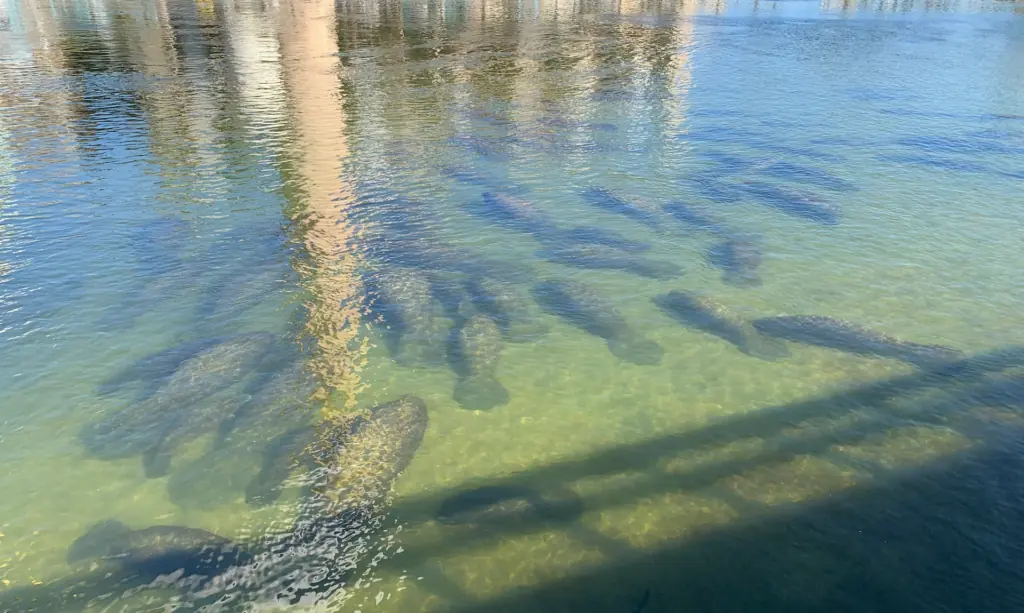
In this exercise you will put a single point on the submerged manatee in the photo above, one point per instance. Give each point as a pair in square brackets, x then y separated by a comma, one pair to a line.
[738, 257]
[581, 307]
[608, 201]
[495, 506]
[186, 406]
[798, 173]
[283, 402]
[852, 338]
[593, 235]
[364, 458]
[279, 458]
[157, 550]
[704, 314]
[151, 371]
[598, 258]
[793, 202]
[415, 333]
[475, 360]
[696, 216]
[515, 313]
[512, 212]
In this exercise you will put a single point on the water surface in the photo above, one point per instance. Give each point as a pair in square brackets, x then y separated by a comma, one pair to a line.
[562, 244]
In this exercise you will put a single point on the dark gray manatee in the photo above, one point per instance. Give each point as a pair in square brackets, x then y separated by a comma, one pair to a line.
[157, 550]
[280, 457]
[251, 444]
[601, 258]
[190, 403]
[702, 313]
[593, 235]
[580, 306]
[609, 201]
[696, 216]
[512, 212]
[415, 331]
[496, 506]
[363, 458]
[511, 308]
[738, 257]
[793, 202]
[282, 402]
[852, 338]
[147, 374]
[474, 359]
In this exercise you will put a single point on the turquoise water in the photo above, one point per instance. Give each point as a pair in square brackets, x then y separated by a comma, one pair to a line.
[305, 210]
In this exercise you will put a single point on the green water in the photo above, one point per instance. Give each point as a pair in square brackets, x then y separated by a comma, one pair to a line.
[185, 171]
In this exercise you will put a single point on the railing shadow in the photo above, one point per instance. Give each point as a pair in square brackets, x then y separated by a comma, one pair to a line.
[948, 537]
[787, 431]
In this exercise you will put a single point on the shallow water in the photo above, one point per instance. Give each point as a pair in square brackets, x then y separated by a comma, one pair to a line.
[227, 228]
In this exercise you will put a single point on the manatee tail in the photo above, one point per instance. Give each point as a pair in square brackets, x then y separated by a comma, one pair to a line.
[480, 393]
[103, 540]
[636, 350]
[156, 462]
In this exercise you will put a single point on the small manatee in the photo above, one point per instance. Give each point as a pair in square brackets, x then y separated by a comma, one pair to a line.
[280, 457]
[494, 506]
[852, 338]
[157, 550]
[514, 312]
[702, 313]
[601, 258]
[607, 200]
[475, 360]
[580, 306]
[414, 329]
[793, 202]
[738, 257]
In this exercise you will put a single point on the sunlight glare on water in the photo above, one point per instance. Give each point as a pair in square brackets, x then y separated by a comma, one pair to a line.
[485, 306]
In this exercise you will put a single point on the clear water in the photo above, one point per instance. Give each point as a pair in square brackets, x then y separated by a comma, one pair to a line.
[182, 171]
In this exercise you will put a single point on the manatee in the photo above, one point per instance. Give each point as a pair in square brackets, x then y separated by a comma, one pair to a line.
[469, 176]
[512, 212]
[150, 372]
[738, 257]
[598, 258]
[852, 338]
[696, 216]
[239, 290]
[282, 402]
[254, 445]
[185, 406]
[364, 459]
[496, 506]
[808, 175]
[475, 359]
[415, 333]
[579, 306]
[702, 313]
[216, 478]
[710, 186]
[793, 202]
[157, 550]
[279, 458]
[607, 200]
[592, 235]
[514, 312]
